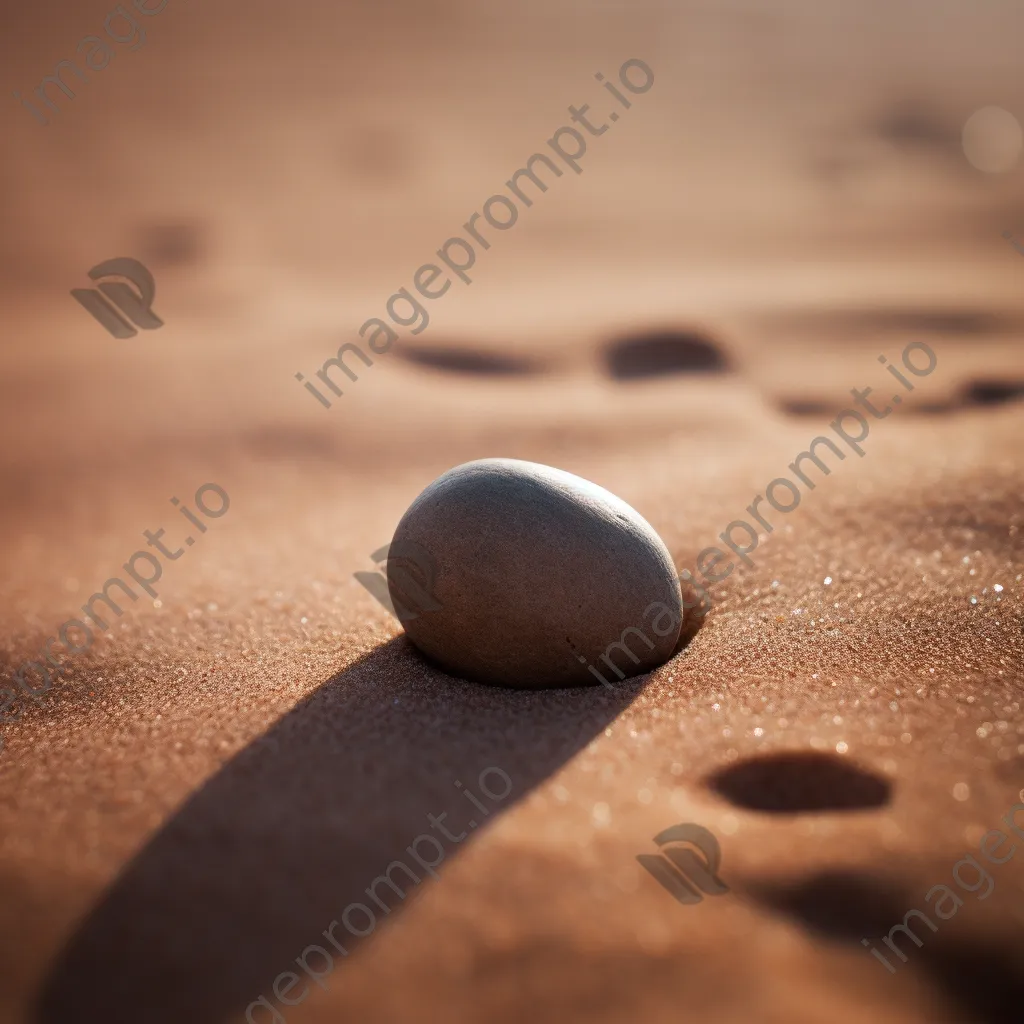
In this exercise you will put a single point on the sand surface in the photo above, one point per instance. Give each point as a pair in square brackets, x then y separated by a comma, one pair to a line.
[231, 764]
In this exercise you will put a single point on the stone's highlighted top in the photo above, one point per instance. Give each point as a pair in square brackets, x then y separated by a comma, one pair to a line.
[539, 573]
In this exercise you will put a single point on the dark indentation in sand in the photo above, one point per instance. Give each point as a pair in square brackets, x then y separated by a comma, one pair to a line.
[797, 783]
[658, 353]
[829, 410]
[838, 904]
[992, 392]
[467, 361]
[982, 976]
[806, 407]
[952, 322]
[172, 244]
[935, 321]
[915, 126]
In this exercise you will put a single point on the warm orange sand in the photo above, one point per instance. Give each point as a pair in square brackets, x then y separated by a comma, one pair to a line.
[221, 775]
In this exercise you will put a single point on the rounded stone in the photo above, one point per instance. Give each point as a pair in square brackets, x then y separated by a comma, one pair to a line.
[517, 574]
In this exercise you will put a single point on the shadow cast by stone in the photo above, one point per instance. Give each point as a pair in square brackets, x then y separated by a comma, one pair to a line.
[257, 863]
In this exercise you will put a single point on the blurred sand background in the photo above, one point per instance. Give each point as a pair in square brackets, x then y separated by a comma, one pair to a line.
[225, 771]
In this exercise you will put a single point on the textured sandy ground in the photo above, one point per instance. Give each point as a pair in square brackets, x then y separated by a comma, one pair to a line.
[226, 770]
